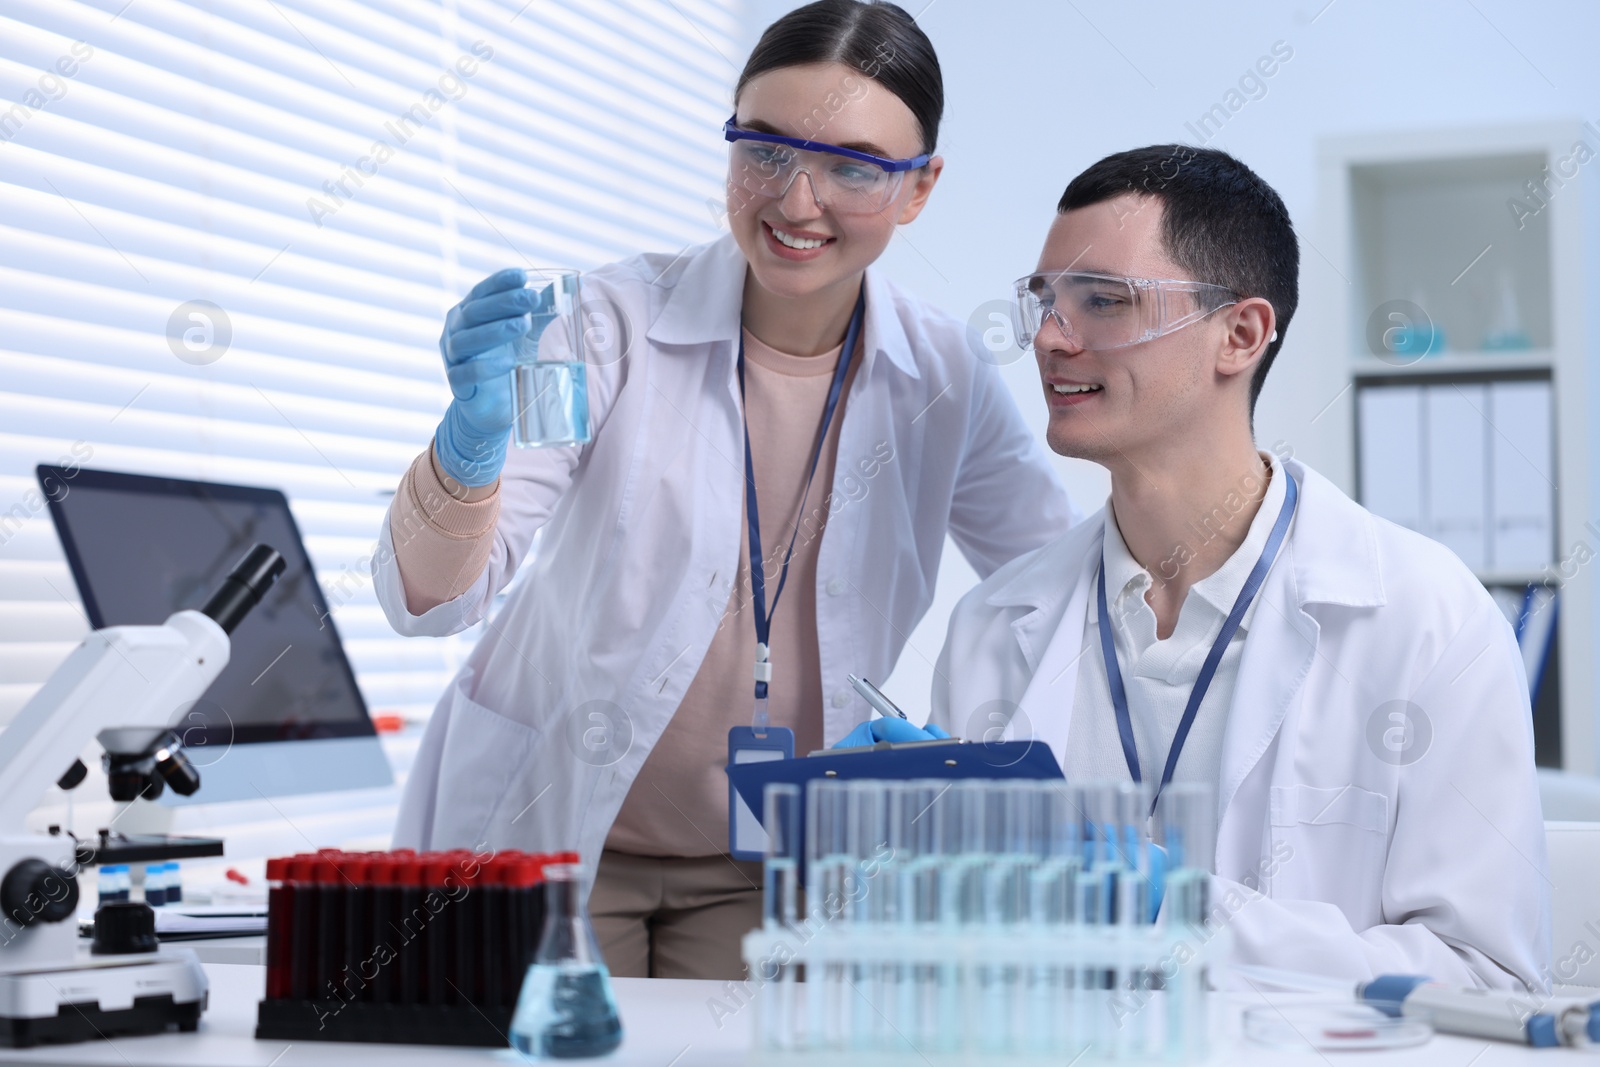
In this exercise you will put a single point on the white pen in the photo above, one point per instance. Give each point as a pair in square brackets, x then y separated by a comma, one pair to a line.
[880, 703]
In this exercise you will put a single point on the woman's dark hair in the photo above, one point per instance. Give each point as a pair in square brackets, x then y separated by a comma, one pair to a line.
[879, 39]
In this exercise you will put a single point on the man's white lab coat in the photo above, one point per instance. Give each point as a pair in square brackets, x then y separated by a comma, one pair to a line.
[535, 743]
[1378, 807]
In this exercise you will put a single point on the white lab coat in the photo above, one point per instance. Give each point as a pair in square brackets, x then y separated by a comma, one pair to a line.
[1329, 858]
[641, 533]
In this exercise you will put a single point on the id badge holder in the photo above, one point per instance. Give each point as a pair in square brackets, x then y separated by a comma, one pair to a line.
[747, 838]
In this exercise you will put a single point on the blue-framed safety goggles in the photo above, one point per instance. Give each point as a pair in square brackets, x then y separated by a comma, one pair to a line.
[842, 179]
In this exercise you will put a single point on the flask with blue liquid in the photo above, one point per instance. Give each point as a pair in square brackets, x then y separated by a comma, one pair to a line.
[565, 1010]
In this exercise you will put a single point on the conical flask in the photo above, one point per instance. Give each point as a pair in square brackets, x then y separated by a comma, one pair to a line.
[565, 1010]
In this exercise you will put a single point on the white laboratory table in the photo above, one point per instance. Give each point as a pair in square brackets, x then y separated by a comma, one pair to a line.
[667, 1023]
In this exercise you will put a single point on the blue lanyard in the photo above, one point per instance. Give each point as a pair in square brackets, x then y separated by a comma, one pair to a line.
[758, 578]
[1208, 670]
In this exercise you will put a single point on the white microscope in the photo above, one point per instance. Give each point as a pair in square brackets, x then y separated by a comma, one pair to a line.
[124, 686]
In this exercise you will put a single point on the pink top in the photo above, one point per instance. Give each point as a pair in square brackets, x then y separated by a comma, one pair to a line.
[678, 804]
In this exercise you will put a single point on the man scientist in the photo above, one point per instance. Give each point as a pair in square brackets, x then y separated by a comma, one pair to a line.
[1347, 686]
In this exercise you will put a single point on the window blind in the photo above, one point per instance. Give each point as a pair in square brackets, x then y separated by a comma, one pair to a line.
[230, 229]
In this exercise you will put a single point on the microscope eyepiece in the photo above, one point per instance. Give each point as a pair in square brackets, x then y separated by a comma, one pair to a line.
[244, 587]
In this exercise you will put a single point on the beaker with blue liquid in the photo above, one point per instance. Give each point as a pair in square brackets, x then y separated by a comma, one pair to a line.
[549, 384]
[566, 1010]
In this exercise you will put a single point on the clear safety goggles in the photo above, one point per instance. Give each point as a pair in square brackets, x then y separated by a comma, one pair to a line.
[842, 180]
[1103, 311]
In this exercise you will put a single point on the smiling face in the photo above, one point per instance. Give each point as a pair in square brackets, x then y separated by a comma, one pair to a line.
[796, 247]
[1112, 406]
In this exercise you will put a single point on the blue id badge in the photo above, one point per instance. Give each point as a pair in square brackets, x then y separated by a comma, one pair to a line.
[747, 838]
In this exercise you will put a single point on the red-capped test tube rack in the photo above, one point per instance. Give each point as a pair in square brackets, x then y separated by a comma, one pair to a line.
[403, 947]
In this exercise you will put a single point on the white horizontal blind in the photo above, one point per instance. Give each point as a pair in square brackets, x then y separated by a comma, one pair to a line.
[333, 176]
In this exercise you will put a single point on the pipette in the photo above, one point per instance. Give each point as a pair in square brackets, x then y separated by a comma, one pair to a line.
[1523, 1018]
[1497, 1015]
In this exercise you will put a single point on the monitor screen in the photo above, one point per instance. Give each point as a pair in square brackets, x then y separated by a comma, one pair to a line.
[142, 547]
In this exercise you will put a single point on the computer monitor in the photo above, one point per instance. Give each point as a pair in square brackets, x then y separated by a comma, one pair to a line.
[285, 716]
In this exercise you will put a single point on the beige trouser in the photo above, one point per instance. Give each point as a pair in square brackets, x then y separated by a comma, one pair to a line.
[661, 917]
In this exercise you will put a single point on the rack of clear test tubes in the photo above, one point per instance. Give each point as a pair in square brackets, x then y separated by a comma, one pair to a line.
[948, 923]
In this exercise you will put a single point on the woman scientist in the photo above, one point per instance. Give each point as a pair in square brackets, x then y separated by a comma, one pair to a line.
[780, 401]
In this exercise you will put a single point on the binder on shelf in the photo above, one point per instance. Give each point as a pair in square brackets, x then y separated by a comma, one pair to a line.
[1455, 419]
[1469, 465]
[1536, 633]
[1391, 453]
[1522, 476]
[1532, 611]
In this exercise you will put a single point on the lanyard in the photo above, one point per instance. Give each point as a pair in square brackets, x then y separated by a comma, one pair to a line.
[1208, 670]
[758, 578]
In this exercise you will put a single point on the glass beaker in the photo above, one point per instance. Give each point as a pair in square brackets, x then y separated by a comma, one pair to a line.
[549, 384]
[565, 1010]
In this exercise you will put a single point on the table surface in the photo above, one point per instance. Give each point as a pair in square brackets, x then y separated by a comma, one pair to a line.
[667, 1023]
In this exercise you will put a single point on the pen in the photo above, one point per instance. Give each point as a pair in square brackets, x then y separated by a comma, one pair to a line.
[880, 703]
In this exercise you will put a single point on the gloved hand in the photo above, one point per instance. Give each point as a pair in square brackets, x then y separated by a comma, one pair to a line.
[478, 357]
[896, 730]
[1129, 845]
[1156, 857]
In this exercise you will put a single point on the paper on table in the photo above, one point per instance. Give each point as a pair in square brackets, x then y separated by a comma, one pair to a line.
[210, 922]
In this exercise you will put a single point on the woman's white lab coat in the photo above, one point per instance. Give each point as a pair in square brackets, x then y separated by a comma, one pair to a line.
[535, 743]
[1345, 845]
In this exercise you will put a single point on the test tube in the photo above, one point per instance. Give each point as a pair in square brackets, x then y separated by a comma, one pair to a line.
[940, 890]
[828, 863]
[1050, 884]
[1123, 1032]
[868, 910]
[914, 839]
[781, 820]
[1093, 900]
[868, 845]
[961, 832]
[998, 878]
[967, 850]
[1093, 906]
[1185, 828]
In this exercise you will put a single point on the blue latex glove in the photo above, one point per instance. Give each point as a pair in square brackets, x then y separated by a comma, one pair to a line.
[896, 730]
[1155, 858]
[478, 357]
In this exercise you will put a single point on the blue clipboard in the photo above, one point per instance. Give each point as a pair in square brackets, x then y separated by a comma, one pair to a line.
[953, 761]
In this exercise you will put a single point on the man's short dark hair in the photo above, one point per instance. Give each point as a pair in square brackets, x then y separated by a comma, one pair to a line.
[1221, 223]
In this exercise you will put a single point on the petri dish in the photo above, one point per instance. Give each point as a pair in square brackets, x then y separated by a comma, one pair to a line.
[1331, 1026]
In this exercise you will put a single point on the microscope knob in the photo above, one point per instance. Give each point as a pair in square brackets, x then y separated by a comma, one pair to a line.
[34, 891]
[123, 927]
[74, 776]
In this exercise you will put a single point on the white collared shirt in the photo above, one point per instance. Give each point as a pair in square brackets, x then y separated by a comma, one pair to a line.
[1158, 675]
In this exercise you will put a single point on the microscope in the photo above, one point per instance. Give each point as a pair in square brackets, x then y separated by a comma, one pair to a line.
[124, 686]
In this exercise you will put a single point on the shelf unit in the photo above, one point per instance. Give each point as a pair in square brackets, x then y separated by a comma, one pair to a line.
[1452, 231]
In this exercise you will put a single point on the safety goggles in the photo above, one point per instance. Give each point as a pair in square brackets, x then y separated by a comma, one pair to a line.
[1103, 311]
[842, 180]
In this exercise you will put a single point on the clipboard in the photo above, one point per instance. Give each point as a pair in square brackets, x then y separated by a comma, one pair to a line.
[952, 760]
